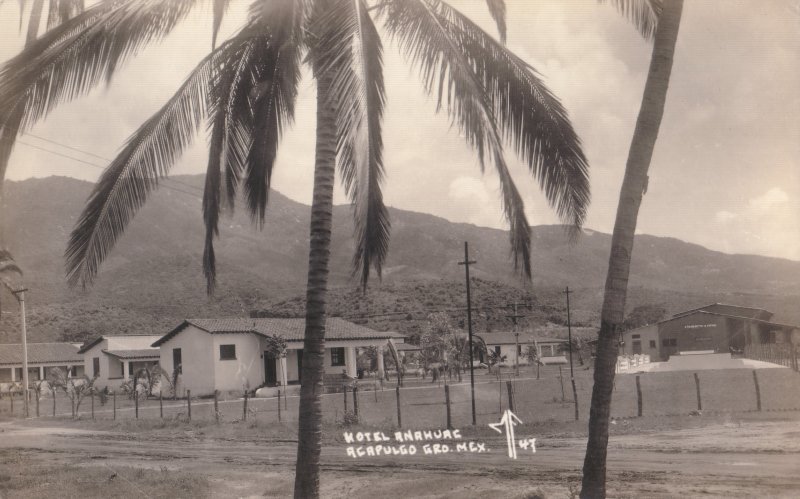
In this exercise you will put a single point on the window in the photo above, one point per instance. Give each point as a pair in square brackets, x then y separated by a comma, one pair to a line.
[519, 350]
[227, 352]
[177, 360]
[652, 343]
[96, 366]
[634, 336]
[669, 342]
[337, 356]
[497, 350]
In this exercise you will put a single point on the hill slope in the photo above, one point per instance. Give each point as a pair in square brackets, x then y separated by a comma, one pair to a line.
[153, 277]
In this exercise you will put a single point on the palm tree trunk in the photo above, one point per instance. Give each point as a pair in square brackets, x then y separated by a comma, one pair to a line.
[309, 438]
[633, 187]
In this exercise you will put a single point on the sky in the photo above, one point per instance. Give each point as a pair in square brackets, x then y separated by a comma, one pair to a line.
[724, 172]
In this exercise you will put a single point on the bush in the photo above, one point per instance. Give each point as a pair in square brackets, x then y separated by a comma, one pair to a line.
[349, 418]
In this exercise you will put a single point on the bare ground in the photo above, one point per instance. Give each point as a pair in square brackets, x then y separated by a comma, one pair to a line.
[742, 455]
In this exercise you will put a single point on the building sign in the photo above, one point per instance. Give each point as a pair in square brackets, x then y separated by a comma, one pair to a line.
[698, 326]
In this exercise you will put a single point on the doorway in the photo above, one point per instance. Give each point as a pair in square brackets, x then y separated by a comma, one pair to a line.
[637, 347]
[270, 370]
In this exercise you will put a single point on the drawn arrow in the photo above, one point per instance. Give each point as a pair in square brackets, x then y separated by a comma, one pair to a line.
[508, 420]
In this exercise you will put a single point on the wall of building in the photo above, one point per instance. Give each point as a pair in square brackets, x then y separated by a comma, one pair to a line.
[648, 339]
[246, 372]
[693, 332]
[106, 374]
[197, 357]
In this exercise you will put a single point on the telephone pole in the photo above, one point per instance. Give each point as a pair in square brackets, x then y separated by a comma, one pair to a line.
[466, 263]
[571, 372]
[514, 318]
[20, 295]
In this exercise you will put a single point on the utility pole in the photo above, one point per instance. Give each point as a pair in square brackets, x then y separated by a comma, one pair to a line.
[571, 372]
[514, 318]
[466, 263]
[20, 295]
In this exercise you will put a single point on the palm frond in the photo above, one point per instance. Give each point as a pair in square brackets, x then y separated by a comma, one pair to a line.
[349, 51]
[644, 14]
[148, 155]
[275, 73]
[531, 118]
[220, 7]
[60, 11]
[497, 8]
[420, 26]
[72, 58]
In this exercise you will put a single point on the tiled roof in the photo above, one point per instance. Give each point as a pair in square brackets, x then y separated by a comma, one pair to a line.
[39, 353]
[290, 329]
[142, 353]
[510, 339]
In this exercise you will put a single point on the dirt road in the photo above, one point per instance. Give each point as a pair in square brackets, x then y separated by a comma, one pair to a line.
[745, 459]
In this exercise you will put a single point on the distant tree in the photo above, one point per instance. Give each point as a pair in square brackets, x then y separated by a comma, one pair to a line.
[576, 346]
[643, 315]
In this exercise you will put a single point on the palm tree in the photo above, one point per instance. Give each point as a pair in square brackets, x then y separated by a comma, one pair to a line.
[245, 89]
[58, 12]
[663, 21]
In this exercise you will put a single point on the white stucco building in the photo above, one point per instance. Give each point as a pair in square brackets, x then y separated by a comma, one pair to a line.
[42, 357]
[230, 355]
[113, 359]
[512, 346]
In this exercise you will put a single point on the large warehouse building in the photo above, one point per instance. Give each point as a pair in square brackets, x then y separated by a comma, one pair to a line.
[715, 328]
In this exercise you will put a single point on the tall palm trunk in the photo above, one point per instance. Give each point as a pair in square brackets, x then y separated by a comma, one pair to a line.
[633, 187]
[11, 123]
[309, 438]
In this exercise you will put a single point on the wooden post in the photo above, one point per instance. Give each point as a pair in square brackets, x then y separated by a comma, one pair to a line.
[375, 389]
[285, 403]
[510, 396]
[344, 392]
[758, 390]
[11, 396]
[561, 378]
[189, 403]
[114, 400]
[447, 402]
[161, 404]
[399, 419]
[38, 395]
[92, 397]
[216, 405]
[244, 407]
[355, 401]
[638, 397]
[697, 387]
[54, 403]
[279, 406]
[136, 403]
[575, 398]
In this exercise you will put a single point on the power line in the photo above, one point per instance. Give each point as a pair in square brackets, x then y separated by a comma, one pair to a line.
[101, 167]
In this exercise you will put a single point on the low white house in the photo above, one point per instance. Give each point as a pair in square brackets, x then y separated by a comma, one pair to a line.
[42, 357]
[514, 345]
[113, 359]
[232, 354]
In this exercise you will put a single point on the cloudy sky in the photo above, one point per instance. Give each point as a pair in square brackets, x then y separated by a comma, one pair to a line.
[725, 171]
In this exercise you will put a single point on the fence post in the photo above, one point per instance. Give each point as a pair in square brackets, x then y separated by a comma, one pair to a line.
[575, 398]
[758, 390]
[114, 400]
[638, 397]
[355, 401]
[189, 403]
[560, 377]
[11, 396]
[399, 419]
[510, 396]
[279, 406]
[92, 397]
[697, 386]
[38, 395]
[447, 402]
[136, 403]
[244, 407]
[161, 404]
[216, 405]
[54, 403]
[344, 392]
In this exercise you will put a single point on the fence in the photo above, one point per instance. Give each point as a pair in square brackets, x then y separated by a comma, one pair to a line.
[784, 354]
[626, 362]
[432, 405]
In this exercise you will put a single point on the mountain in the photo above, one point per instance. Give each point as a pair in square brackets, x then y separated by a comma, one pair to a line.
[153, 277]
